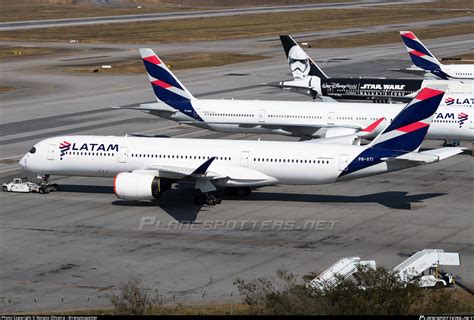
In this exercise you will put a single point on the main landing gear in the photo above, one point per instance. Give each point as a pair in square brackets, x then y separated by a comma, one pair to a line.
[45, 186]
[213, 198]
[209, 198]
[451, 143]
[239, 192]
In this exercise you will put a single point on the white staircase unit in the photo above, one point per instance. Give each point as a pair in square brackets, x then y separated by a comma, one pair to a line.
[425, 259]
[345, 267]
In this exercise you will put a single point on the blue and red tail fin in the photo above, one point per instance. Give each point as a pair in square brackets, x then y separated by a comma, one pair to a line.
[421, 56]
[167, 88]
[408, 129]
[404, 134]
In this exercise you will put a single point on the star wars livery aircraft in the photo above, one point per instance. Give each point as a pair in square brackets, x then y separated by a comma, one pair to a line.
[301, 119]
[144, 168]
[424, 59]
[309, 79]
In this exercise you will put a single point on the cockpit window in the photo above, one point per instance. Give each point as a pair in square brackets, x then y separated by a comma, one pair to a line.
[33, 150]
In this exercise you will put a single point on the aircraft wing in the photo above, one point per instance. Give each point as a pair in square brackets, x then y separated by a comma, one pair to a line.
[177, 172]
[428, 156]
[205, 177]
[302, 86]
[414, 70]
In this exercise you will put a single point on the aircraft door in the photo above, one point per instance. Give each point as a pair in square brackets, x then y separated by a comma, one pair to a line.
[52, 148]
[244, 158]
[471, 121]
[331, 117]
[343, 162]
[196, 114]
[261, 116]
[123, 155]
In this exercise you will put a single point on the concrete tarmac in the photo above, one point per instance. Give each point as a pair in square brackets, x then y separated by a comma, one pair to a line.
[66, 250]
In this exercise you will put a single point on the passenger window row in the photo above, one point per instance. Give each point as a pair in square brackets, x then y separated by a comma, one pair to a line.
[228, 115]
[288, 116]
[83, 153]
[173, 156]
[290, 160]
[446, 121]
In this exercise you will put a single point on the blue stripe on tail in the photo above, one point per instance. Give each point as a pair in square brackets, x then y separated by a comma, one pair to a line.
[415, 45]
[161, 74]
[176, 101]
[410, 135]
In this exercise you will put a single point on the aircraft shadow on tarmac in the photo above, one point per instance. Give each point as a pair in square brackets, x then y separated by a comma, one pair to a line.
[178, 202]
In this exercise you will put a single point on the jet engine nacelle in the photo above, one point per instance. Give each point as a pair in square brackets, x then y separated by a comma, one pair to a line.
[135, 186]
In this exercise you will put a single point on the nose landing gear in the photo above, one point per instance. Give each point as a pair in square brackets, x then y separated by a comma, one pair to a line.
[45, 186]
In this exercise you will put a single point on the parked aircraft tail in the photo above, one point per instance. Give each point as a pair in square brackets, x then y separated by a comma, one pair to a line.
[399, 143]
[421, 56]
[408, 129]
[167, 88]
[301, 64]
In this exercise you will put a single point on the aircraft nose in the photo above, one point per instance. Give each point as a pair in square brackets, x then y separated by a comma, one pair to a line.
[23, 161]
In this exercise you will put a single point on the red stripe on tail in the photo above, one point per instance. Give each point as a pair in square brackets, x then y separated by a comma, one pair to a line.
[153, 59]
[427, 93]
[374, 125]
[417, 53]
[413, 127]
[161, 84]
[409, 35]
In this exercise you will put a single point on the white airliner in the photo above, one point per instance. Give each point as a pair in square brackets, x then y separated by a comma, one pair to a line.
[453, 120]
[424, 59]
[309, 79]
[146, 167]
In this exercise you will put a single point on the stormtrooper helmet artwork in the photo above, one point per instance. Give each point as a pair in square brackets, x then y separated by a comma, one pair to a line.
[299, 62]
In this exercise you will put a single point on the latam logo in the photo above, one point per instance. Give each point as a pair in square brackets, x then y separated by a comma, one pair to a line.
[462, 117]
[67, 146]
[64, 147]
[467, 101]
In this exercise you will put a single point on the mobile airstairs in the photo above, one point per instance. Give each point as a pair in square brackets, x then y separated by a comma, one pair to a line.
[429, 260]
[412, 268]
[342, 269]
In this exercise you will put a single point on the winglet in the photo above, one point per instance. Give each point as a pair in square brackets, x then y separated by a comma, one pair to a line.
[370, 128]
[202, 169]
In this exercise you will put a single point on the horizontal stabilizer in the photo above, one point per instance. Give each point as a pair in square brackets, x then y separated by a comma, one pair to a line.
[428, 156]
[370, 128]
[154, 106]
[443, 153]
[349, 139]
[328, 99]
